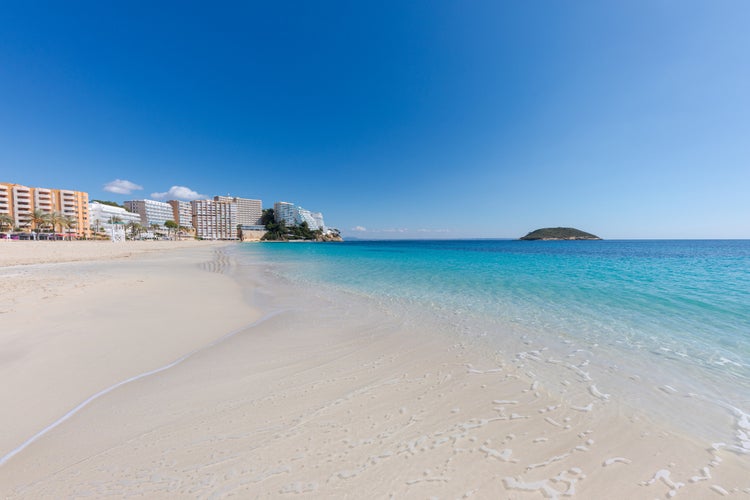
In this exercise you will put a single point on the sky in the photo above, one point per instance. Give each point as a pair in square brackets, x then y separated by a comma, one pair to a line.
[418, 119]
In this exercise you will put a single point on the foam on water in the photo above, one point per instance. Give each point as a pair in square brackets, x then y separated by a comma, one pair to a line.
[664, 325]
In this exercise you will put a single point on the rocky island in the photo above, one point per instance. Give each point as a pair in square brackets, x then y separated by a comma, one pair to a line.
[559, 233]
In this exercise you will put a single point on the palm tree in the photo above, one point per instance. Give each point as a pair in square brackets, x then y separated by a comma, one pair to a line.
[6, 220]
[55, 219]
[64, 224]
[134, 228]
[69, 222]
[154, 227]
[38, 218]
[96, 229]
[114, 220]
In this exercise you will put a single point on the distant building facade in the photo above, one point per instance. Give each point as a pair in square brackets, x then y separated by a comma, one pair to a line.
[249, 211]
[294, 215]
[151, 211]
[214, 220]
[182, 213]
[306, 216]
[101, 213]
[111, 220]
[19, 202]
[286, 212]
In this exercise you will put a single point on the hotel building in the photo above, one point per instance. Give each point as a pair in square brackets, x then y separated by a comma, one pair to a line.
[314, 219]
[102, 215]
[151, 212]
[19, 202]
[111, 220]
[284, 211]
[249, 211]
[214, 220]
[182, 213]
[292, 215]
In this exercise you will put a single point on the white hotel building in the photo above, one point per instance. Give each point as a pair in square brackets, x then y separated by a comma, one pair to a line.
[292, 215]
[112, 220]
[103, 215]
[151, 212]
[284, 211]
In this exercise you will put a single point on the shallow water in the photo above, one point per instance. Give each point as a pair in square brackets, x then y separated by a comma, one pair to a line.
[663, 326]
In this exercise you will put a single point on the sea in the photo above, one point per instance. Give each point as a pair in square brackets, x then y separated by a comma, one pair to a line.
[659, 328]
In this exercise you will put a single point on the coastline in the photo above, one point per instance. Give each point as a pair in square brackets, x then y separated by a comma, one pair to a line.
[305, 397]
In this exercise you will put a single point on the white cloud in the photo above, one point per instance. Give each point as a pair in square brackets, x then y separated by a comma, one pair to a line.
[179, 193]
[120, 186]
[359, 228]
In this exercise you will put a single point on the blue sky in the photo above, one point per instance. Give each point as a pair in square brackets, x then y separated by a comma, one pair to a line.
[423, 119]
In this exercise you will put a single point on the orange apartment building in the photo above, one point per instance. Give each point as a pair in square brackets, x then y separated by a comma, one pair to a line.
[20, 202]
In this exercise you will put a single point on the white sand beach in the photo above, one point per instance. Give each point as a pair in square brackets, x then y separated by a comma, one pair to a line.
[233, 391]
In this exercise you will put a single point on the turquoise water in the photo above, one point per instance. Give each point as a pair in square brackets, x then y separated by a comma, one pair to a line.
[674, 314]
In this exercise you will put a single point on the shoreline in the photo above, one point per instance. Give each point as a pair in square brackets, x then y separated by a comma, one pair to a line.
[626, 425]
[321, 399]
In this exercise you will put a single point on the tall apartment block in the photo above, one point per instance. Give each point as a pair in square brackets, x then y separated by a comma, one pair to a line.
[284, 211]
[19, 202]
[214, 220]
[249, 211]
[151, 212]
[293, 215]
[182, 213]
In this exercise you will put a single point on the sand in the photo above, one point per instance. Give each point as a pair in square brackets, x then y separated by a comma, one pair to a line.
[15, 252]
[196, 384]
